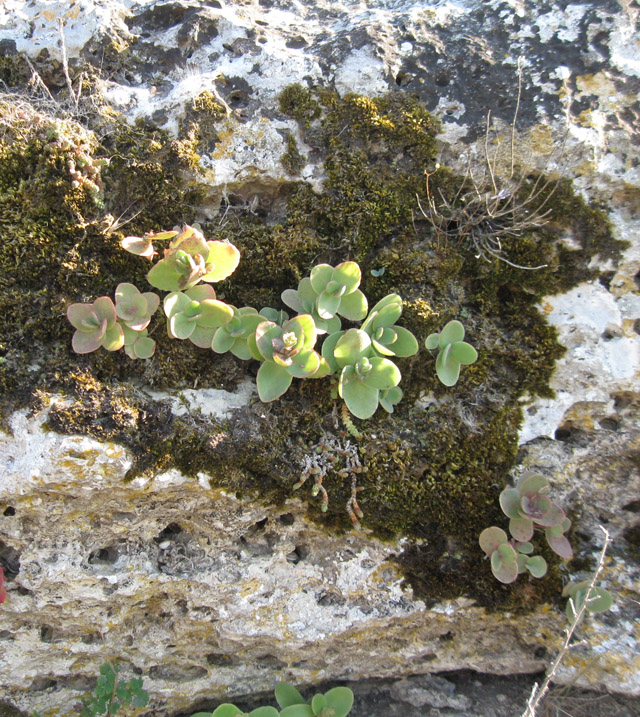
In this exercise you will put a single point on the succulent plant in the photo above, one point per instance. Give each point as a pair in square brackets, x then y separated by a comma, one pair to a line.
[190, 258]
[327, 292]
[133, 308]
[364, 377]
[96, 325]
[510, 558]
[527, 506]
[233, 336]
[196, 314]
[600, 600]
[286, 352]
[388, 339]
[337, 702]
[452, 352]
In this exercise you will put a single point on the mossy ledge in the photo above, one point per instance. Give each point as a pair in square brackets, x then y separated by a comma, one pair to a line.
[435, 468]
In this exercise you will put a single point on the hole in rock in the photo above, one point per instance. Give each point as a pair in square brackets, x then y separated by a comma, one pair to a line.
[606, 278]
[50, 634]
[260, 524]
[9, 510]
[636, 280]
[42, 683]
[9, 560]
[287, 519]
[103, 556]
[636, 326]
[446, 637]
[609, 424]
[540, 652]
[563, 433]
[217, 659]
[169, 533]
[297, 554]
[442, 79]
[633, 507]
[330, 598]
[271, 662]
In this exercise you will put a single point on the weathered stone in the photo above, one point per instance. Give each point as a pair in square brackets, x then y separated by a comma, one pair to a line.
[206, 593]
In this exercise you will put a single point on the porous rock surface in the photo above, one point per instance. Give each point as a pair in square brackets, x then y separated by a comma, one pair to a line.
[207, 594]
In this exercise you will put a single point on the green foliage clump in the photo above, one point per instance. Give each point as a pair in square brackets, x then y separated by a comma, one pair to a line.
[337, 702]
[110, 694]
[292, 160]
[584, 594]
[527, 507]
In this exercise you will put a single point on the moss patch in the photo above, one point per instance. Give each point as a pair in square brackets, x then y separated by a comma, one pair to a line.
[434, 470]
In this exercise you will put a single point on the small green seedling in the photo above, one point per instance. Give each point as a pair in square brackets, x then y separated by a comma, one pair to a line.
[453, 352]
[110, 694]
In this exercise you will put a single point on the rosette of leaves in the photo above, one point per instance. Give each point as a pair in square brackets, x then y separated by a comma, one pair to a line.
[233, 336]
[286, 352]
[388, 339]
[134, 308]
[510, 558]
[195, 314]
[527, 506]
[594, 599]
[96, 325]
[190, 258]
[366, 380]
[327, 292]
[453, 352]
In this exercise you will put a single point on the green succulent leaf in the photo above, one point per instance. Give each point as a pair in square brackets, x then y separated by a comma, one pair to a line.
[113, 338]
[353, 306]
[353, 345]
[492, 538]
[389, 398]
[432, 342]
[272, 381]
[304, 364]
[384, 374]
[361, 400]
[349, 275]
[510, 503]
[405, 344]
[226, 710]
[464, 353]
[504, 564]
[164, 276]
[340, 699]
[286, 695]
[521, 529]
[452, 332]
[327, 305]
[223, 257]
[559, 544]
[320, 276]
[181, 326]
[264, 712]
[532, 483]
[537, 566]
[297, 711]
[526, 548]
[318, 703]
[448, 371]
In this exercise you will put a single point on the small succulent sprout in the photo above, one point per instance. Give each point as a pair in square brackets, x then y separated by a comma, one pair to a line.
[389, 398]
[337, 702]
[137, 344]
[133, 308]
[286, 351]
[527, 507]
[278, 317]
[337, 291]
[600, 600]
[535, 564]
[504, 559]
[453, 352]
[196, 314]
[363, 376]
[190, 258]
[388, 339]
[233, 336]
[143, 246]
[96, 325]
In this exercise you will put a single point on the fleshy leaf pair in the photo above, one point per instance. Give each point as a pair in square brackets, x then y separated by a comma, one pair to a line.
[387, 339]
[196, 314]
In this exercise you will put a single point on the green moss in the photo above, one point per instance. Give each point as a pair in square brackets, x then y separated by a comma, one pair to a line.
[292, 160]
[436, 467]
